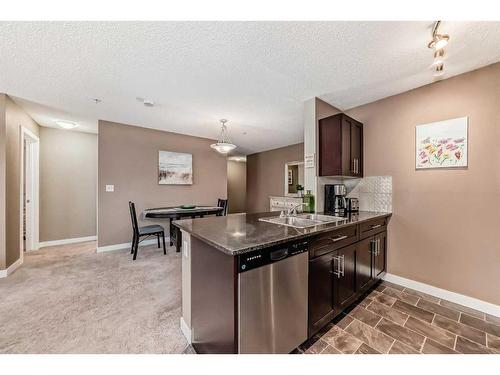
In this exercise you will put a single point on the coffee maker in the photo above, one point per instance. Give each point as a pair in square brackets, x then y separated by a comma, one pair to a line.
[335, 202]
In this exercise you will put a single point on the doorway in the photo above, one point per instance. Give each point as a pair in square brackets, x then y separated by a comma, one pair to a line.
[29, 220]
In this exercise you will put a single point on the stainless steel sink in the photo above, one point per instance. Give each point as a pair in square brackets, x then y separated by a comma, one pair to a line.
[322, 218]
[301, 221]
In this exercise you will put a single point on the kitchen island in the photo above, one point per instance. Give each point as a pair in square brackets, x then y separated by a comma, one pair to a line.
[251, 286]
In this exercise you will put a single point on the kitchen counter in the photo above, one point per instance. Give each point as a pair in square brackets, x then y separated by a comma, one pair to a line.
[240, 233]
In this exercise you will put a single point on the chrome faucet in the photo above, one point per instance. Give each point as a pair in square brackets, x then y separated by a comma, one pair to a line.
[291, 211]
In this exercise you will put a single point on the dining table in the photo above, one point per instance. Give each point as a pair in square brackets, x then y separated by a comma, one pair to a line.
[178, 213]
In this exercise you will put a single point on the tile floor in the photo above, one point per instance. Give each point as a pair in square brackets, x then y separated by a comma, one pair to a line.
[396, 320]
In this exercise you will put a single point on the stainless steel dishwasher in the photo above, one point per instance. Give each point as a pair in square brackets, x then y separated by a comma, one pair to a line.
[272, 299]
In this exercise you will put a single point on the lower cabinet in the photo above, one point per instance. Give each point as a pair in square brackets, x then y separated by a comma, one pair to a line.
[344, 277]
[321, 296]
[364, 265]
[379, 251]
[339, 277]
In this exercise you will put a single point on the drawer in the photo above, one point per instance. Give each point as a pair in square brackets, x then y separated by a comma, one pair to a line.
[335, 239]
[372, 227]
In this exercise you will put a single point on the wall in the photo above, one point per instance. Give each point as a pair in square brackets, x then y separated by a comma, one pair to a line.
[2, 181]
[266, 175]
[128, 158]
[68, 184]
[444, 224]
[236, 186]
[15, 118]
[315, 109]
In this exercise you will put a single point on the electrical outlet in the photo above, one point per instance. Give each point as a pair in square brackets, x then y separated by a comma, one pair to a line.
[110, 188]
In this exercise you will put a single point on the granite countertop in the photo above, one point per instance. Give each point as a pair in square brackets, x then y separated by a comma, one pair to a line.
[240, 233]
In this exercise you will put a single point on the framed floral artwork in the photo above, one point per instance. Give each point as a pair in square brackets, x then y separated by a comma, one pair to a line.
[442, 144]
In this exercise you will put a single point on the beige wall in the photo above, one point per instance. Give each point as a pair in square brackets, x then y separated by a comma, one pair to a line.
[2, 180]
[266, 175]
[445, 222]
[236, 186]
[128, 159]
[15, 118]
[68, 184]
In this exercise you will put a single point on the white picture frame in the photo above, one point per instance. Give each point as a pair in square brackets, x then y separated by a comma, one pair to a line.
[442, 144]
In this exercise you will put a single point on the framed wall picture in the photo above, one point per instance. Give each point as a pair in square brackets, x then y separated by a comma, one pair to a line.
[442, 144]
[290, 177]
[175, 168]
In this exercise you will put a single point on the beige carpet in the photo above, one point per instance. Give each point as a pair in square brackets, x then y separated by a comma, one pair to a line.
[69, 299]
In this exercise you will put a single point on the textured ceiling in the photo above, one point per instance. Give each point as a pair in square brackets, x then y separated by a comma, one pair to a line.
[256, 74]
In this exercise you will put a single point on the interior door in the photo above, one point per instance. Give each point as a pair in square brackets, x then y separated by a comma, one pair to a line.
[380, 259]
[364, 263]
[344, 276]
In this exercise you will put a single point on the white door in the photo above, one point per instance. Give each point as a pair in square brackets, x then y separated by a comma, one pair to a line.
[30, 198]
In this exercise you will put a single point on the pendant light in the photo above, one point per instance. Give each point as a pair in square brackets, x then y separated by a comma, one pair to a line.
[223, 145]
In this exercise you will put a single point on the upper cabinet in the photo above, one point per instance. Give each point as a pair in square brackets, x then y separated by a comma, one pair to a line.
[340, 146]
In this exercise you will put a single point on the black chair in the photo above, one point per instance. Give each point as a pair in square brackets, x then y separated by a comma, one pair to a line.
[148, 230]
[222, 203]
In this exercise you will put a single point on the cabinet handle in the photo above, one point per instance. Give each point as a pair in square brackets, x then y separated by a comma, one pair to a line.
[373, 226]
[378, 246]
[340, 266]
[355, 166]
[373, 249]
[338, 238]
[343, 265]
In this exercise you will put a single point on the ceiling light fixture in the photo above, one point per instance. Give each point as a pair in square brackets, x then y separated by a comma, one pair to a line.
[438, 58]
[66, 124]
[438, 40]
[439, 70]
[223, 145]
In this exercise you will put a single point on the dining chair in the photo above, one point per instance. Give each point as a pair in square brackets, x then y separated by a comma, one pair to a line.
[148, 230]
[222, 203]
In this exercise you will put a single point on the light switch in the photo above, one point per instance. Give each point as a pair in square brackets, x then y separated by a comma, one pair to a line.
[110, 188]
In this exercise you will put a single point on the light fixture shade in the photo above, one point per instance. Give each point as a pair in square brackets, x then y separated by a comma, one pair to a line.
[439, 41]
[223, 148]
[223, 145]
[66, 124]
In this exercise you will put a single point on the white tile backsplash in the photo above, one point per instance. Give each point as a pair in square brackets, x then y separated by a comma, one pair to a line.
[374, 193]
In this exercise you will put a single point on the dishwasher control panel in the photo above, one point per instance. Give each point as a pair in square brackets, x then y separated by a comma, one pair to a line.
[262, 257]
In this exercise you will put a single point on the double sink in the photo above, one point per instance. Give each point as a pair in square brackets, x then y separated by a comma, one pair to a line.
[302, 220]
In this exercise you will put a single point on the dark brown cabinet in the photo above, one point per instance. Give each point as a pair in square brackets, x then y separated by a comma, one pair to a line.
[340, 146]
[321, 300]
[379, 254]
[344, 277]
[339, 276]
[364, 265]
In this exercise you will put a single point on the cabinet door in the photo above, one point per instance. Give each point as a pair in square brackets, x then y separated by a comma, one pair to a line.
[380, 257]
[356, 148]
[330, 144]
[364, 263]
[345, 152]
[344, 276]
[321, 308]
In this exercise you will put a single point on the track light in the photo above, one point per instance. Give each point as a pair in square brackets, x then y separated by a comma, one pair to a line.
[438, 42]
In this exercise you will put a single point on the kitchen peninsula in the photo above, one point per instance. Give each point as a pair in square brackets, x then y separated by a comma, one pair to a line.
[253, 286]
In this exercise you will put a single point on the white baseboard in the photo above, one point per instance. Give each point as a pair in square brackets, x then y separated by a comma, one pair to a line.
[186, 331]
[128, 245]
[461, 299]
[66, 241]
[14, 266]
